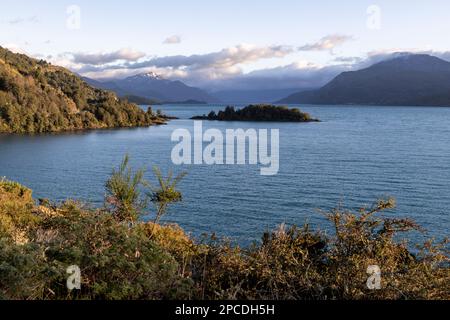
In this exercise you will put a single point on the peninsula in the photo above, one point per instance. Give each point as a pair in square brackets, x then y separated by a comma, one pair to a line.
[37, 97]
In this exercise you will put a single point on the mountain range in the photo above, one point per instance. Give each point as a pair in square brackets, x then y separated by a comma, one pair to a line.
[253, 96]
[405, 80]
[153, 88]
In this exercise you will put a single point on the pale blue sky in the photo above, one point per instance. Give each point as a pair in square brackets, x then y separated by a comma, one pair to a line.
[39, 27]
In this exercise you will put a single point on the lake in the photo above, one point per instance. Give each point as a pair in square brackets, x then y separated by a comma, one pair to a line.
[354, 156]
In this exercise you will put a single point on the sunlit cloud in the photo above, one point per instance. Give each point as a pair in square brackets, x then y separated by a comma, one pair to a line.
[107, 57]
[328, 43]
[220, 64]
[224, 69]
[226, 58]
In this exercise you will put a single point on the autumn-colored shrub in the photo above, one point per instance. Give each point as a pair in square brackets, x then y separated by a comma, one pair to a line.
[298, 263]
[144, 260]
[16, 205]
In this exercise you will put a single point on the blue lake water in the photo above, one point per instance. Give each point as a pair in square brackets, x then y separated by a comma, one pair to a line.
[354, 156]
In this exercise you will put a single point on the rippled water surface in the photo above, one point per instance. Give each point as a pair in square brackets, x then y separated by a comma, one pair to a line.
[354, 156]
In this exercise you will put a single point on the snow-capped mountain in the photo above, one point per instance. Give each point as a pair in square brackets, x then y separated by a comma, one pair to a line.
[154, 87]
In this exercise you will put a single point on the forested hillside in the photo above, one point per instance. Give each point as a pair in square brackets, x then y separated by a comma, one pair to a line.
[37, 97]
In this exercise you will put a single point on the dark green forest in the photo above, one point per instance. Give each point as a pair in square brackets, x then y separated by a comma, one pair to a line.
[260, 112]
[37, 97]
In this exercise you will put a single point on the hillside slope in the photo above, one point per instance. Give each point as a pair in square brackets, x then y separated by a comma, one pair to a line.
[253, 96]
[408, 80]
[154, 87]
[37, 97]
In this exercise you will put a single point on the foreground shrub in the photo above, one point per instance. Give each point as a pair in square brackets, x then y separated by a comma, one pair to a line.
[363, 239]
[122, 260]
[294, 263]
[116, 261]
[16, 204]
[123, 194]
[21, 270]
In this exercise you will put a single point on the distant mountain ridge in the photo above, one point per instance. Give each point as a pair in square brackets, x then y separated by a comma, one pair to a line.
[406, 80]
[153, 87]
[253, 96]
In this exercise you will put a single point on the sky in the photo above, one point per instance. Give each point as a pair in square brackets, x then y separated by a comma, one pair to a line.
[224, 44]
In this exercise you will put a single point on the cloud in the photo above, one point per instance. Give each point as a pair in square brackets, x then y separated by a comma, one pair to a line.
[328, 43]
[445, 55]
[224, 69]
[226, 58]
[220, 64]
[350, 60]
[120, 73]
[301, 74]
[20, 20]
[304, 74]
[219, 70]
[105, 58]
[175, 39]
[374, 57]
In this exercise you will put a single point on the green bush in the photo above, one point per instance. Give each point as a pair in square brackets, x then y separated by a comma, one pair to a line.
[116, 261]
[21, 274]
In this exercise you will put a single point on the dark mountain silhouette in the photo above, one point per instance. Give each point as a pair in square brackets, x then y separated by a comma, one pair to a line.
[153, 87]
[408, 79]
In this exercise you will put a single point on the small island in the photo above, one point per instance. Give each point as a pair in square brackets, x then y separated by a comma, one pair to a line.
[269, 113]
[187, 102]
